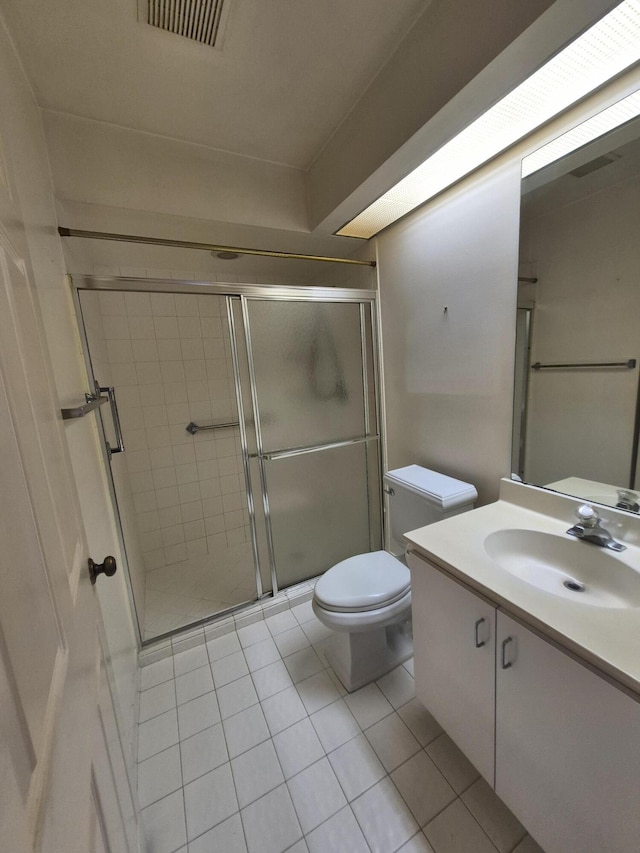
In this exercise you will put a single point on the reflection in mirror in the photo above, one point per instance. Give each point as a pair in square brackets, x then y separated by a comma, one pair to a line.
[576, 400]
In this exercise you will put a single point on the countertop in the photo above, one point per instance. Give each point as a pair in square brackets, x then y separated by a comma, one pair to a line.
[606, 638]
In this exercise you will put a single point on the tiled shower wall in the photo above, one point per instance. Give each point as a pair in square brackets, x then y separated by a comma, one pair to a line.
[170, 362]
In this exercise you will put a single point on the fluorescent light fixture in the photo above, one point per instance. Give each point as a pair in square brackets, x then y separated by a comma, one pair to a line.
[604, 122]
[605, 50]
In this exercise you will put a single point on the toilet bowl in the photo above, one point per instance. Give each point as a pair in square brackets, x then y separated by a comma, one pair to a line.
[366, 599]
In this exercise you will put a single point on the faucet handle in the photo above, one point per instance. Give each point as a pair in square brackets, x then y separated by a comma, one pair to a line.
[587, 515]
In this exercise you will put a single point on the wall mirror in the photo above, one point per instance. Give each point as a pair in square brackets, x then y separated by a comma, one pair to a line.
[576, 399]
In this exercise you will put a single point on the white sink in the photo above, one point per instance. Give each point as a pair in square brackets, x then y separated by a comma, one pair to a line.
[578, 571]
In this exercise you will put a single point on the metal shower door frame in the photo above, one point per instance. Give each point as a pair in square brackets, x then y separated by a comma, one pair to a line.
[232, 291]
[363, 299]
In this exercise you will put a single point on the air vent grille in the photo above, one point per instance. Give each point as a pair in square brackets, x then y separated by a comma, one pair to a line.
[199, 20]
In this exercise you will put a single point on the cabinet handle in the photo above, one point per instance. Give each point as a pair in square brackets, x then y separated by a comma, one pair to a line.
[478, 643]
[503, 660]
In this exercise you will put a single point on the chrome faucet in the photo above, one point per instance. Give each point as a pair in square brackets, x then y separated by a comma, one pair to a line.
[589, 528]
[628, 500]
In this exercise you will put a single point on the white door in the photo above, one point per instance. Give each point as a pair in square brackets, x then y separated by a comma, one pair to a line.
[454, 641]
[49, 650]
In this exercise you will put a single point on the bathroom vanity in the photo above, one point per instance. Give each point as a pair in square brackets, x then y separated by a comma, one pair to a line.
[537, 682]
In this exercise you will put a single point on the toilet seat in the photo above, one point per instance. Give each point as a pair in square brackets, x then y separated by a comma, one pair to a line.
[363, 583]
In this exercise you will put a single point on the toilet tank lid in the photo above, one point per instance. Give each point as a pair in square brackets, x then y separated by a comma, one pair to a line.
[441, 490]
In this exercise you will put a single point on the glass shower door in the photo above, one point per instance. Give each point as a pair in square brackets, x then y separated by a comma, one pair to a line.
[315, 431]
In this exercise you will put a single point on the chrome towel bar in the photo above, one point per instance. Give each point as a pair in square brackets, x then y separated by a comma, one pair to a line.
[193, 428]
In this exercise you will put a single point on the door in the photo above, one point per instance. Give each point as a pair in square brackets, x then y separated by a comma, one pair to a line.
[454, 641]
[49, 648]
[567, 747]
[314, 429]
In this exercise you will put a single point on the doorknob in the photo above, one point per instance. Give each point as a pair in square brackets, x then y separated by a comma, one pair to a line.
[108, 568]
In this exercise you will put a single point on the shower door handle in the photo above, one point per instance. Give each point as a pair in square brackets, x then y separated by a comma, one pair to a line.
[111, 394]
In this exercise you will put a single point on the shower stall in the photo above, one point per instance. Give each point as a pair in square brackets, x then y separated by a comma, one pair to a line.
[243, 436]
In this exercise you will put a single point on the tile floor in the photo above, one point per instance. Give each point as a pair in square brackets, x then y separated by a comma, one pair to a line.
[249, 744]
[185, 592]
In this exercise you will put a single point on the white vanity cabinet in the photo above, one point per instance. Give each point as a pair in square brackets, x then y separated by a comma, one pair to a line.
[454, 639]
[567, 748]
[566, 741]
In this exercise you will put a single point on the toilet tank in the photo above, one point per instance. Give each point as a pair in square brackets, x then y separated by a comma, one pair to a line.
[418, 496]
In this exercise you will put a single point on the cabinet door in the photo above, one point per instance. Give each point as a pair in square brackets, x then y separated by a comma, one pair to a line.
[454, 641]
[567, 748]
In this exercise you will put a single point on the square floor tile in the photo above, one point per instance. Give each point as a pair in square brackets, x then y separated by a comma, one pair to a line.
[303, 612]
[423, 787]
[317, 691]
[236, 697]
[398, 686]
[228, 669]
[203, 752]
[418, 844]
[209, 800]
[193, 684]
[528, 845]
[340, 834]
[157, 734]
[223, 646]
[281, 622]
[157, 700]
[159, 776]
[357, 766]
[502, 827]
[423, 726]
[191, 659]
[270, 824]
[291, 641]
[251, 634]
[455, 831]
[315, 631]
[316, 794]
[368, 705]
[198, 714]
[384, 818]
[245, 730]
[156, 673]
[299, 847]
[261, 654]
[392, 741]
[298, 747]
[271, 679]
[164, 824]
[226, 837]
[452, 763]
[283, 710]
[335, 725]
[256, 772]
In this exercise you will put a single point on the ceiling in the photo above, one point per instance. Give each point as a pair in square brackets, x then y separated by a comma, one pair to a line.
[288, 74]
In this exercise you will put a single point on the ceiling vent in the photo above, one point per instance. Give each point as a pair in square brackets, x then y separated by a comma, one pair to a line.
[203, 21]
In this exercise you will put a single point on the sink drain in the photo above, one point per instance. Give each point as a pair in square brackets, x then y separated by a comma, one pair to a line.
[574, 586]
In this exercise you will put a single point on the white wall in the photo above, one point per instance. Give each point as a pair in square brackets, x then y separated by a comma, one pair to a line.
[448, 376]
[23, 141]
[102, 164]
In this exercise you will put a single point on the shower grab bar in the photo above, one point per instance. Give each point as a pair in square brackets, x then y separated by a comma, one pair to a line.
[193, 428]
[111, 397]
[629, 364]
[299, 451]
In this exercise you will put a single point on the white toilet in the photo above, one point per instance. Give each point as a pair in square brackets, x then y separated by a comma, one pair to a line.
[366, 599]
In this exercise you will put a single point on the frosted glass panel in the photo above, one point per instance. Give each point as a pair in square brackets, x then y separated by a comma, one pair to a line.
[308, 371]
[319, 510]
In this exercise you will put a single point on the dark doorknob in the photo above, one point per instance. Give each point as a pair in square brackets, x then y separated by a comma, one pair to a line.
[107, 568]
